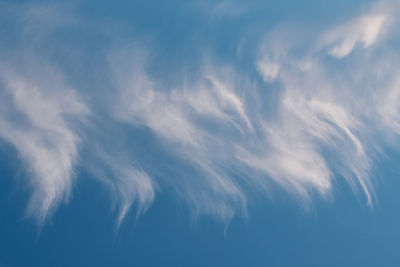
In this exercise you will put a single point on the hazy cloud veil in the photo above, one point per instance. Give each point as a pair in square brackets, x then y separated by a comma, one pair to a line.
[305, 112]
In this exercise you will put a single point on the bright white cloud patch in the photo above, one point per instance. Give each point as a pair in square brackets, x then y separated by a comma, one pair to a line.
[364, 31]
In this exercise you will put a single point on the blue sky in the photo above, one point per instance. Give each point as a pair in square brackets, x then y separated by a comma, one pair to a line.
[199, 133]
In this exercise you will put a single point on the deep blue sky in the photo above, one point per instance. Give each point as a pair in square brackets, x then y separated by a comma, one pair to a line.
[233, 133]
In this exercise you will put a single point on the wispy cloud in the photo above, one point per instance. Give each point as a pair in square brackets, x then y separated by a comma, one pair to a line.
[304, 114]
[37, 120]
[364, 30]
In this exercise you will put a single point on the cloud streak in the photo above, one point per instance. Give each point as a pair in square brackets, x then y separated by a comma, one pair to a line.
[307, 112]
[35, 120]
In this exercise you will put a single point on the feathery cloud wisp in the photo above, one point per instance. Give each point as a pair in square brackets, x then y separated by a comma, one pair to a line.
[224, 136]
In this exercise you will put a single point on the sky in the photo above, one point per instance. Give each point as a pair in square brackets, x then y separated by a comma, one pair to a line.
[199, 133]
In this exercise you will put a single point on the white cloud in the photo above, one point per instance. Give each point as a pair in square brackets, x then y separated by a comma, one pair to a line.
[42, 134]
[364, 30]
[268, 70]
[225, 133]
[326, 109]
[127, 184]
[173, 116]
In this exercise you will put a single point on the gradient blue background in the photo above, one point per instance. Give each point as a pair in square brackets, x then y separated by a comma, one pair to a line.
[343, 232]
